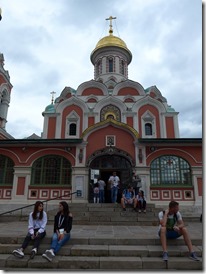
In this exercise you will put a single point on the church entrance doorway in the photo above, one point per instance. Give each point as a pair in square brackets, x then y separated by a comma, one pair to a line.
[102, 167]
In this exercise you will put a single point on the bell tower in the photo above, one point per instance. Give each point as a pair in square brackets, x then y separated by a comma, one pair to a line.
[5, 91]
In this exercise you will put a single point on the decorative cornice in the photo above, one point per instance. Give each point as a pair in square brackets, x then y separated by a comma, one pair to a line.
[110, 151]
[110, 121]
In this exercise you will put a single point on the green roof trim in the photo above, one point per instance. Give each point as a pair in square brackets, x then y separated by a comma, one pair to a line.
[39, 142]
[183, 141]
[170, 109]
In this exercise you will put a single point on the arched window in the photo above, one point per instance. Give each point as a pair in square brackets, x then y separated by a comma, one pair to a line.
[110, 111]
[72, 125]
[73, 129]
[6, 170]
[170, 170]
[51, 170]
[111, 65]
[148, 129]
[99, 67]
[122, 71]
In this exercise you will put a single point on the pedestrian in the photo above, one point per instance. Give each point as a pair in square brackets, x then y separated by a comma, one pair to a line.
[36, 231]
[172, 227]
[136, 183]
[141, 201]
[114, 184]
[96, 193]
[102, 185]
[62, 227]
[128, 197]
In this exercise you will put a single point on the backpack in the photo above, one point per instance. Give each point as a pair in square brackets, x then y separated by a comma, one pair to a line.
[174, 218]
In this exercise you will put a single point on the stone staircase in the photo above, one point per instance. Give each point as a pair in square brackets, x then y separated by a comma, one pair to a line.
[104, 214]
[103, 253]
[103, 238]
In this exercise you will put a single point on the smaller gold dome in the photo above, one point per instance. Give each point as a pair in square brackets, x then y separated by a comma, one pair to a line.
[111, 40]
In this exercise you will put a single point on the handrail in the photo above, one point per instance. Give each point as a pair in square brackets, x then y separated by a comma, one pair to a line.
[44, 201]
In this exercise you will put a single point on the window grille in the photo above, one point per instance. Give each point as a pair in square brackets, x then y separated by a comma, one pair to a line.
[170, 170]
[51, 170]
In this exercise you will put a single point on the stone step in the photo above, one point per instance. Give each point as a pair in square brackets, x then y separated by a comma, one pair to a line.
[99, 263]
[111, 216]
[101, 248]
[108, 250]
[101, 240]
[102, 214]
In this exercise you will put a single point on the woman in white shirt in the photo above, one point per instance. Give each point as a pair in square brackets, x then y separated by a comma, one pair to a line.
[36, 230]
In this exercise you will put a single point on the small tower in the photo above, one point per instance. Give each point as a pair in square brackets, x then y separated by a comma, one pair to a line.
[111, 58]
[5, 91]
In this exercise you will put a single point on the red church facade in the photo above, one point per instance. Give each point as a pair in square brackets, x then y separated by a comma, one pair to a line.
[110, 123]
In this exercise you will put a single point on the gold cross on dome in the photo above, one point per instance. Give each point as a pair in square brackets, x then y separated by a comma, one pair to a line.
[110, 25]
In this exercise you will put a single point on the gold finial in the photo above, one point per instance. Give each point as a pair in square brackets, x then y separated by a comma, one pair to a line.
[52, 93]
[110, 25]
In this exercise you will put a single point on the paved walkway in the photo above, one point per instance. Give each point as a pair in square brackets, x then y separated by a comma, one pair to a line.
[94, 231]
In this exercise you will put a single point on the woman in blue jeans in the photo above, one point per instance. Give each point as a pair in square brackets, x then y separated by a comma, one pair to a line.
[62, 227]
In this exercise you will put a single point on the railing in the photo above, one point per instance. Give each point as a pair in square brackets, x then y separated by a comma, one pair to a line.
[44, 201]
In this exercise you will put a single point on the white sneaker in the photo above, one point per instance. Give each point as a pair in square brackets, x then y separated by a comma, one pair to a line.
[49, 255]
[52, 252]
[18, 253]
[49, 258]
[139, 211]
[33, 253]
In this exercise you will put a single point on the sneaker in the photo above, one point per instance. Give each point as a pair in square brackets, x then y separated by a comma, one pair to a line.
[18, 253]
[145, 211]
[49, 258]
[51, 252]
[49, 255]
[124, 209]
[193, 256]
[33, 253]
[134, 209]
[165, 256]
[139, 211]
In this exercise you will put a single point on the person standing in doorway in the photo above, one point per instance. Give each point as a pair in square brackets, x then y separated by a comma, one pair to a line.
[114, 183]
[96, 193]
[101, 189]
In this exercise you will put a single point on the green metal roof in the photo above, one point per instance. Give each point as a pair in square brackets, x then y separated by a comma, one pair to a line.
[39, 142]
[170, 140]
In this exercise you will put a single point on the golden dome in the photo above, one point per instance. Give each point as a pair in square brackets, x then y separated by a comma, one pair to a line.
[109, 41]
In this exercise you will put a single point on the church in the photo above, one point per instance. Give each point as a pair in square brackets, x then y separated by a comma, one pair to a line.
[110, 123]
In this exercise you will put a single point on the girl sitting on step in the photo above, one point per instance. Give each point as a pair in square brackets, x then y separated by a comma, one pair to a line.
[36, 230]
[62, 227]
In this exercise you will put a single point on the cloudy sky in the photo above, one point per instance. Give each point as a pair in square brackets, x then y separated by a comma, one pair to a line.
[47, 46]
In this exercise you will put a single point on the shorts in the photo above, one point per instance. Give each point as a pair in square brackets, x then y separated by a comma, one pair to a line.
[171, 234]
[130, 202]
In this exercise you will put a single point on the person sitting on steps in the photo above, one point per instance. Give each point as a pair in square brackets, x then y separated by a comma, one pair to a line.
[62, 227]
[128, 197]
[36, 231]
[141, 201]
[172, 227]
